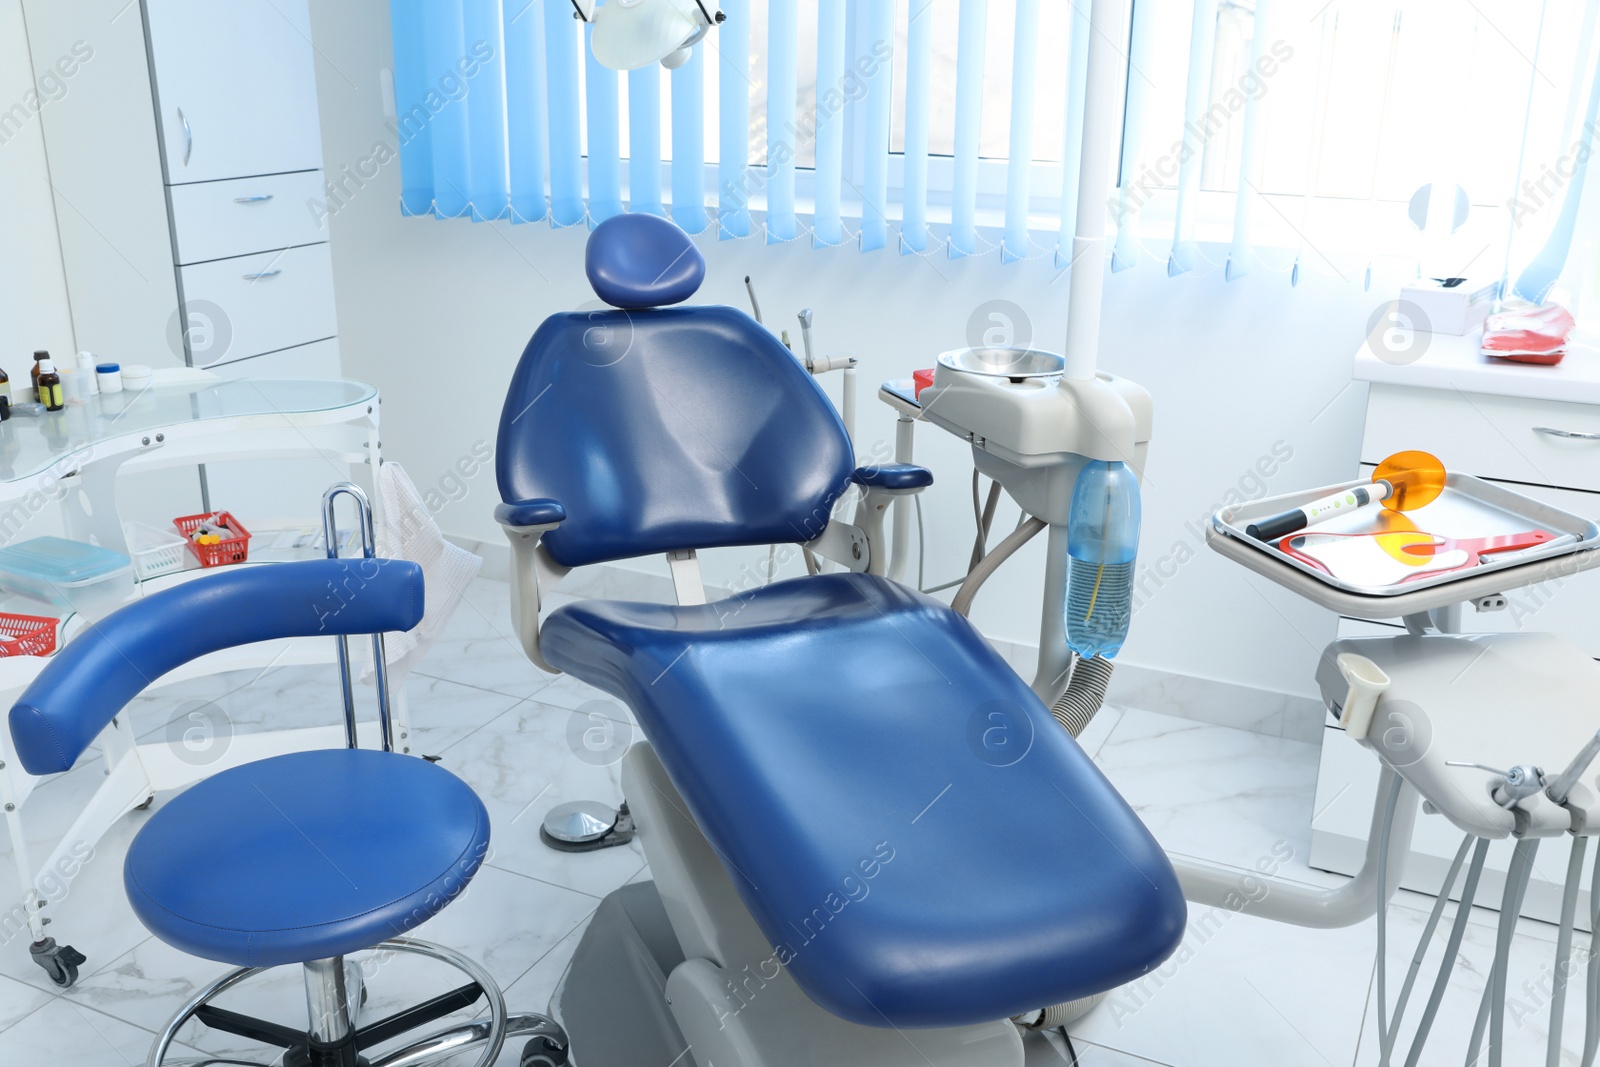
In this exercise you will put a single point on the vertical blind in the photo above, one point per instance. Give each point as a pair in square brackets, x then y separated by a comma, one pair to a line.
[952, 127]
[504, 113]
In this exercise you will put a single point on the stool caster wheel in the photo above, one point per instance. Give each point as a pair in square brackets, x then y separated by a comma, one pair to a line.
[543, 1052]
[60, 962]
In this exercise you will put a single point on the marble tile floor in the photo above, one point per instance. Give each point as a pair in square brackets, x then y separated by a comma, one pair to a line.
[1241, 990]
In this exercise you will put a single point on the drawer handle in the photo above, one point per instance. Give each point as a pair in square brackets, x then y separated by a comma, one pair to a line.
[1574, 435]
[252, 199]
[188, 137]
[263, 274]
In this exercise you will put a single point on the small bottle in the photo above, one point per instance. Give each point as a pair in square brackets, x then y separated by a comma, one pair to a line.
[49, 386]
[86, 373]
[38, 357]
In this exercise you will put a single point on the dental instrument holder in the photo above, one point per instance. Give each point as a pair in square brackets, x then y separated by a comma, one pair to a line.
[1468, 507]
[818, 367]
[380, 665]
[1427, 665]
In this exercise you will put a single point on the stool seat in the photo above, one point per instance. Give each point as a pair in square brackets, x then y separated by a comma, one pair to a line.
[305, 856]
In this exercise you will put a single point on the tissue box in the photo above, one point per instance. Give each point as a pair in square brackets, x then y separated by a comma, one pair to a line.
[1453, 306]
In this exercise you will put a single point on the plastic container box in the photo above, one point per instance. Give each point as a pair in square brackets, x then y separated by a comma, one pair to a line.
[235, 549]
[34, 635]
[155, 552]
[66, 574]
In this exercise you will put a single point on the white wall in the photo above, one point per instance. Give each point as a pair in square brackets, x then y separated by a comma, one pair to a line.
[436, 313]
[33, 295]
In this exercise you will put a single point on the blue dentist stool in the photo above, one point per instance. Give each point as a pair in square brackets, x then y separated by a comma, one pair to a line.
[295, 859]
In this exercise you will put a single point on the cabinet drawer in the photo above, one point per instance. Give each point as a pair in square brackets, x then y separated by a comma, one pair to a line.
[261, 303]
[215, 220]
[320, 359]
[1489, 436]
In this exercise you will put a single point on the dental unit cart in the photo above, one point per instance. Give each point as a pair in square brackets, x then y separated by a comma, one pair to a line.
[1477, 727]
[1450, 700]
[77, 458]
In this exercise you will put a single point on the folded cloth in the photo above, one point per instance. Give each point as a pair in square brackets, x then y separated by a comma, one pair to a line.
[1528, 335]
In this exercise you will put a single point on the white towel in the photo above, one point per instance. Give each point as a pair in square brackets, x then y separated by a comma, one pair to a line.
[409, 532]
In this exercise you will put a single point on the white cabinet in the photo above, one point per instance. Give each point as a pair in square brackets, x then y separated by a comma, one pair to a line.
[235, 86]
[186, 154]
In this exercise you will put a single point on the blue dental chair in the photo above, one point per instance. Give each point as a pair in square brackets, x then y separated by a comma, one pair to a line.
[302, 858]
[870, 842]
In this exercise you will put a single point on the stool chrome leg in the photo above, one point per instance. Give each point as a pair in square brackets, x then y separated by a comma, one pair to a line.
[158, 1051]
[329, 1003]
[448, 1043]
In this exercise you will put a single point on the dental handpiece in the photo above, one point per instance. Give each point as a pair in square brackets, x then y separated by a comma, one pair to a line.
[755, 305]
[805, 333]
[1516, 785]
[1561, 788]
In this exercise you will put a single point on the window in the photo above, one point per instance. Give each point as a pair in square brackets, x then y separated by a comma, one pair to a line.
[1302, 124]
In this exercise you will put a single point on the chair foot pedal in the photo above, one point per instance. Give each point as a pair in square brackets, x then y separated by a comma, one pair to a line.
[586, 826]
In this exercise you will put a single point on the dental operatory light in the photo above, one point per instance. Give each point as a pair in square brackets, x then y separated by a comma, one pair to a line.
[629, 34]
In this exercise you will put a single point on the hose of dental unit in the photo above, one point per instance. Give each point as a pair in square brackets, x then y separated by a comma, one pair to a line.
[980, 572]
[1081, 700]
[1057, 1015]
[1074, 710]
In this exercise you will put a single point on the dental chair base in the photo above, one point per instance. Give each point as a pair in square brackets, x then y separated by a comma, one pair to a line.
[687, 965]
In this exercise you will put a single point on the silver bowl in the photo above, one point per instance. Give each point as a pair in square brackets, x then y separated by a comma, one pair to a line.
[1012, 363]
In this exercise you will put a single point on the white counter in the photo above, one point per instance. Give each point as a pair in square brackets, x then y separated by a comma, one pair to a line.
[1455, 363]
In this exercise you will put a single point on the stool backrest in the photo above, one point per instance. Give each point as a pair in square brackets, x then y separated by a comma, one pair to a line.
[92, 679]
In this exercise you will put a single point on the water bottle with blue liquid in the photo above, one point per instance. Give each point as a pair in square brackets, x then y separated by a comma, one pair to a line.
[1102, 543]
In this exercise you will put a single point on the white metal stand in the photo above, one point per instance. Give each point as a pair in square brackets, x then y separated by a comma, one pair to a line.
[344, 434]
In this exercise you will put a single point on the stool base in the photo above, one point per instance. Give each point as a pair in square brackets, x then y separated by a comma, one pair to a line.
[335, 1041]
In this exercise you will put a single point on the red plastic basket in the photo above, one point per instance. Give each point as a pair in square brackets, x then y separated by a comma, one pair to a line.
[235, 549]
[35, 635]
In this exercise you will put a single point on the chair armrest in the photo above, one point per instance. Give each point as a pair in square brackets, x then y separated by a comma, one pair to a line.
[894, 477]
[881, 485]
[541, 513]
[525, 523]
[98, 672]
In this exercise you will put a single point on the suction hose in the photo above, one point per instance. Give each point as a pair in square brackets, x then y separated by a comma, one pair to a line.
[1081, 700]
[1074, 710]
[1059, 1014]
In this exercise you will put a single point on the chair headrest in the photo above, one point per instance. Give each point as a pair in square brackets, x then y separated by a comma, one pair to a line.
[642, 261]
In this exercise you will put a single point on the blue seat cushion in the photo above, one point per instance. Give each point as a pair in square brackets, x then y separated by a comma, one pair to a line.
[305, 856]
[921, 841]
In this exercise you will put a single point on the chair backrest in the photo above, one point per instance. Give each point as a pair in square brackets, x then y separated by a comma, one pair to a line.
[99, 671]
[660, 429]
